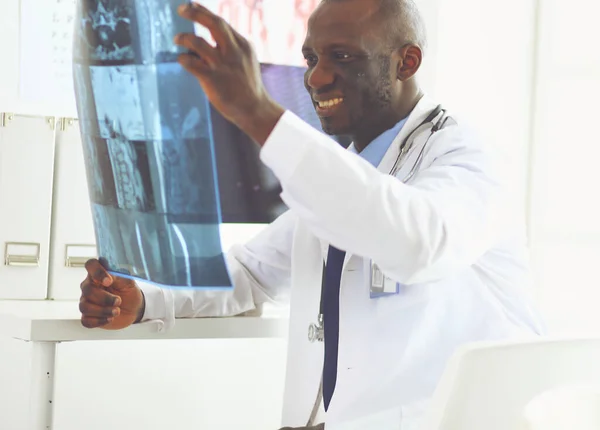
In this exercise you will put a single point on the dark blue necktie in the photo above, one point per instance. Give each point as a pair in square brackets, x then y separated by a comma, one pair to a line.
[331, 320]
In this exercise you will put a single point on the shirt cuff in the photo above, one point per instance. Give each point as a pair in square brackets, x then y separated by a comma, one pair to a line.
[159, 306]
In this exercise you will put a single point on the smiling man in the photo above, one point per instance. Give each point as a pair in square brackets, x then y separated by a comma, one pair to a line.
[359, 87]
[394, 252]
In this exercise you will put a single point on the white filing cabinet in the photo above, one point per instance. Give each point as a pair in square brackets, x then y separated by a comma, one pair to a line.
[73, 238]
[26, 171]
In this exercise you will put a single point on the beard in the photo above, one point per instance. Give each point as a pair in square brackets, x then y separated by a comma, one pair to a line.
[383, 93]
[369, 107]
[376, 97]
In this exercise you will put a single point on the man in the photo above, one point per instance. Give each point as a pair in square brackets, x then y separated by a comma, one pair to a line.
[422, 253]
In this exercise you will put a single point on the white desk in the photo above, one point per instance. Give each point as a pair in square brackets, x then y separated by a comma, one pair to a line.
[46, 323]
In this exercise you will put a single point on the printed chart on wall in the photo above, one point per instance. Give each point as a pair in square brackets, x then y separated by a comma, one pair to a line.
[165, 170]
[46, 48]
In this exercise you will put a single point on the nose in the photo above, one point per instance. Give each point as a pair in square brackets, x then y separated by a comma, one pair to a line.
[320, 76]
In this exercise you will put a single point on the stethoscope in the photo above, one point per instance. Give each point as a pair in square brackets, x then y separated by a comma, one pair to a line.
[316, 331]
[405, 147]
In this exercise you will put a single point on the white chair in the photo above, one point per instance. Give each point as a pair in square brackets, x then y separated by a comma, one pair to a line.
[575, 407]
[532, 385]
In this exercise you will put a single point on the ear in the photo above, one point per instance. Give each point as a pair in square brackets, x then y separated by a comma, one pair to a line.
[409, 59]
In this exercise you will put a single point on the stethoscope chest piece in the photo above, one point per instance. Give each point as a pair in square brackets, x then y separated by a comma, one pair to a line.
[316, 333]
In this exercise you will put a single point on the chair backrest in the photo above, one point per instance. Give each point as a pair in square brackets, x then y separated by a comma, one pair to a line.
[575, 407]
[491, 386]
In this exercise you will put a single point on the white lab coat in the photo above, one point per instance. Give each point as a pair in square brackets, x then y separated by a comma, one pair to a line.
[449, 237]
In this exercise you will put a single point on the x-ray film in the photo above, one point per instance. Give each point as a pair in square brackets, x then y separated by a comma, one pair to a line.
[164, 169]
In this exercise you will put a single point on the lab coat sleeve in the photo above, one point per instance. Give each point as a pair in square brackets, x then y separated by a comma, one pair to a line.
[439, 224]
[260, 272]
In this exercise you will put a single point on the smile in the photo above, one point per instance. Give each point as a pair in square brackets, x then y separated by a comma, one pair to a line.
[327, 107]
[330, 103]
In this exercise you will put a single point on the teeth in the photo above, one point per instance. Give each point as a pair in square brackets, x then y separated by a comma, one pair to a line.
[330, 103]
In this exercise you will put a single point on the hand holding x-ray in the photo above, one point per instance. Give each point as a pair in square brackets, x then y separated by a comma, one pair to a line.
[229, 73]
[107, 301]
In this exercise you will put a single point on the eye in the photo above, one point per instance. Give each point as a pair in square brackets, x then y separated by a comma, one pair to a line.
[311, 60]
[344, 56]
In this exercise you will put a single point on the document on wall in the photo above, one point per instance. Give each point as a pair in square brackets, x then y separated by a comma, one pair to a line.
[46, 77]
[165, 171]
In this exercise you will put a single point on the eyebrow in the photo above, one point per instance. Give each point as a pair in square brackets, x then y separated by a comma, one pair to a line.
[335, 46]
[344, 46]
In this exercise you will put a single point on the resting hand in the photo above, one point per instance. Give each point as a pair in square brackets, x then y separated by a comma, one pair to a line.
[108, 302]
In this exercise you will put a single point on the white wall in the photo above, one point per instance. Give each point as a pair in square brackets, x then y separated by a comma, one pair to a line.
[526, 73]
[9, 30]
[484, 72]
[564, 205]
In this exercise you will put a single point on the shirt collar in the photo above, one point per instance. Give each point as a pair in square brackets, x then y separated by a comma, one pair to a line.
[375, 151]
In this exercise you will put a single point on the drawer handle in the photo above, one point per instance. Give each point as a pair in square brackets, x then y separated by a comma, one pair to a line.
[15, 254]
[81, 254]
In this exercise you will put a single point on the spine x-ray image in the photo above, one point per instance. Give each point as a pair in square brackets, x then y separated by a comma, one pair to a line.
[164, 169]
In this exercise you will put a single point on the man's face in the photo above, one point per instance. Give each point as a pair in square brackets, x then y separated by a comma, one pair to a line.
[349, 75]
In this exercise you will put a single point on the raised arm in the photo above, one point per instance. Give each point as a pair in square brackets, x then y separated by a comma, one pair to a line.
[440, 223]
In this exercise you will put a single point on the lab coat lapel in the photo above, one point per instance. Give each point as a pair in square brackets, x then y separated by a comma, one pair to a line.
[419, 113]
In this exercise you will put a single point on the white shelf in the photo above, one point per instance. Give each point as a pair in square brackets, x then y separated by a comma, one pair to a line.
[59, 321]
